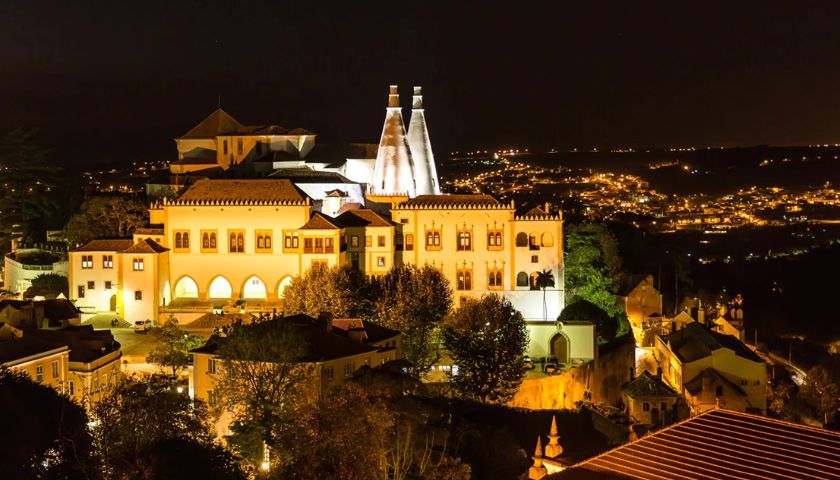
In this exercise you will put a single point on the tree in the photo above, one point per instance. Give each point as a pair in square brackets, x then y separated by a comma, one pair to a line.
[342, 292]
[44, 433]
[48, 285]
[545, 279]
[592, 266]
[260, 384]
[173, 347]
[28, 181]
[486, 339]
[605, 326]
[821, 392]
[413, 300]
[105, 216]
[138, 422]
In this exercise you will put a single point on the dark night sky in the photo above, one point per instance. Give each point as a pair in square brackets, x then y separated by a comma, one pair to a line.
[119, 81]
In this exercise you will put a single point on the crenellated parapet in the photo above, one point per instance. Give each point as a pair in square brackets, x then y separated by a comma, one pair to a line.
[234, 202]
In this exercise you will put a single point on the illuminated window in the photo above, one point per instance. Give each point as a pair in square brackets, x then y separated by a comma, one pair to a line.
[107, 261]
[182, 240]
[380, 261]
[533, 243]
[211, 365]
[494, 240]
[464, 240]
[319, 264]
[380, 241]
[464, 279]
[139, 265]
[433, 239]
[409, 241]
[547, 239]
[39, 373]
[236, 241]
[368, 241]
[91, 285]
[291, 241]
[55, 369]
[354, 241]
[80, 291]
[87, 261]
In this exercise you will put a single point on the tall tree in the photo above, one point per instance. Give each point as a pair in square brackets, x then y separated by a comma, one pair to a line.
[44, 433]
[821, 392]
[105, 216]
[545, 279]
[592, 267]
[414, 300]
[28, 181]
[172, 348]
[48, 285]
[487, 339]
[261, 383]
[137, 423]
[341, 292]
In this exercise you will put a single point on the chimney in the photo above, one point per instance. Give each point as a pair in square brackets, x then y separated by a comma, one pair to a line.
[393, 97]
[417, 99]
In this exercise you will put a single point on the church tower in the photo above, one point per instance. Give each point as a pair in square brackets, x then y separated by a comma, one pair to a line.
[425, 172]
[393, 171]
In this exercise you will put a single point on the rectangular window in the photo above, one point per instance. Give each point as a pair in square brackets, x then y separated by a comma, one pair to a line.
[328, 372]
[646, 406]
[354, 241]
[319, 263]
[307, 245]
[91, 285]
[494, 279]
[55, 369]
[87, 261]
[72, 388]
[494, 240]
[409, 241]
[138, 295]
[433, 240]
[535, 259]
[182, 240]
[264, 243]
[107, 261]
[39, 373]
[236, 241]
[380, 261]
[211, 365]
[403, 220]
[139, 265]
[380, 240]
[108, 284]
[80, 292]
[328, 245]
[291, 241]
[208, 241]
[239, 146]
[464, 240]
[349, 368]
[464, 277]
[224, 147]
[368, 241]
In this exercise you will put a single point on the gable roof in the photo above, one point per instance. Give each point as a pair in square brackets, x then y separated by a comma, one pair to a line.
[362, 217]
[105, 245]
[466, 200]
[371, 332]
[720, 444]
[695, 385]
[262, 191]
[11, 351]
[647, 385]
[217, 123]
[695, 341]
[319, 221]
[146, 245]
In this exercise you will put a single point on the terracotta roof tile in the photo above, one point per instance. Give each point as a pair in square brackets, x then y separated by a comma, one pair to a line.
[146, 245]
[319, 221]
[362, 217]
[451, 200]
[262, 190]
[105, 245]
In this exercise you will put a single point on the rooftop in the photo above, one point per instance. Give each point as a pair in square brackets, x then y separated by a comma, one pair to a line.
[695, 341]
[647, 385]
[460, 200]
[319, 221]
[262, 191]
[720, 444]
[105, 245]
[20, 348]
[146, 245]
[362, 217]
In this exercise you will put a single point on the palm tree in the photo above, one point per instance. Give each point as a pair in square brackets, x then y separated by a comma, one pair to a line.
[545, 279]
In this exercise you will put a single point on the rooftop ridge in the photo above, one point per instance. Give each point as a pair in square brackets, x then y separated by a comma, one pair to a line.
[233, 202]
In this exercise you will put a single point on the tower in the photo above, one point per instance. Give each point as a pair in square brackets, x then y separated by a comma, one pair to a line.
[393, 171]
[425, 172]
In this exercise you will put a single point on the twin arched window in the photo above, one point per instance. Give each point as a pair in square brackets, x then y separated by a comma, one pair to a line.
[236, 242]
[208, 240]
[182, 240]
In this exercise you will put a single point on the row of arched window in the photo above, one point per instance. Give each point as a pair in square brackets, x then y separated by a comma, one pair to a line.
[525, 280]
[534, 241]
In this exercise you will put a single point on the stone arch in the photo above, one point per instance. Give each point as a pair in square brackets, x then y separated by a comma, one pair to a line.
[521, 239]
[521, 279]
[185, 287]
[254, 287]
[559, 347]
[282, 284]
[547, 239]
[220, 288]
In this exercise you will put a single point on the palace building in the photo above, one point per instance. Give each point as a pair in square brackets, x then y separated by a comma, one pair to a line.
[225, 243]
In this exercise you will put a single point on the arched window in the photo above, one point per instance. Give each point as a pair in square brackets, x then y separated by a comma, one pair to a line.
[205, 240]
[464, 240]
[547, 239]
[186, 288]
[254, 288]
[468, 280]
[533, 242]
[213, 240]
[186, 240]
[240, 242]
[178, 240]
[533, 284]
[268, 241]
[220, 288]
[521, 239]
[498, 239]
[521, 279]
[437, 239]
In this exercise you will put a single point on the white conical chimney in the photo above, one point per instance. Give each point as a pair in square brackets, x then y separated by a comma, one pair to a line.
[392, 173]
[425, 171]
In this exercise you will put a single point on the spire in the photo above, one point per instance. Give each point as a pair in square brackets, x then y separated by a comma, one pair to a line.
[553, 449]
[537, 470]
[425, 171]
[393, 171]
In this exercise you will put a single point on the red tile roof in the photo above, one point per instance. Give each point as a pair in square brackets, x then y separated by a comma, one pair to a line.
[146, 245]
[105, 245]
[263, 191]
[720, 444]
[319, 221]
[451, 200]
